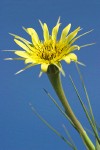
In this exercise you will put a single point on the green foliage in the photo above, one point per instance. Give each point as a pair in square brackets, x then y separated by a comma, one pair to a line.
[69, 141]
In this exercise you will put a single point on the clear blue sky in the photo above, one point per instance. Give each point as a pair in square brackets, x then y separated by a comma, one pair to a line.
[20, 129]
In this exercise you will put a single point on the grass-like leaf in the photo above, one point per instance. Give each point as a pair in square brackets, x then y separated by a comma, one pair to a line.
[86, 112]
[88, 100]
[65, 115]
[97, 145]
[89, 131]
[98, 128]
[69, 137]
[51, 128]
[87, 96]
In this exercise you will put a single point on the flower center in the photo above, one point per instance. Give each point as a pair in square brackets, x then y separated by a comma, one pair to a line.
[48, 52]
[51, 51]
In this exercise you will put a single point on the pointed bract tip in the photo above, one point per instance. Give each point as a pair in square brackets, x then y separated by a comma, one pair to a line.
[19, 72]
[80, 63]
[12, 34]
[8, 58]
[58, 20]
[8, 50]
[40, 74]
[23, 28]
[45, 91]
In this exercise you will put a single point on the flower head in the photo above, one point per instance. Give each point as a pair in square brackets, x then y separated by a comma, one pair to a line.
[50, 51]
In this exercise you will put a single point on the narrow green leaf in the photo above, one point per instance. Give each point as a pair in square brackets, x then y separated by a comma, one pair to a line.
[98, 128]
[49, 126]
[85, 110]
[87, 96]
[89, 131]
[65, 115]
[97, 145]
[69, 137]
[89, 104]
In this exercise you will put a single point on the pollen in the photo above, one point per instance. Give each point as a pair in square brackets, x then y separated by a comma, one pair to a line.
[48, 51]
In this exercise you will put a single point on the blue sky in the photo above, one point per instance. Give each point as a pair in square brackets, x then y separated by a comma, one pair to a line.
[20, 129]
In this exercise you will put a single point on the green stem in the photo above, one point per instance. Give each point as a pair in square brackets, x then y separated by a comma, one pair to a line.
[54, 77]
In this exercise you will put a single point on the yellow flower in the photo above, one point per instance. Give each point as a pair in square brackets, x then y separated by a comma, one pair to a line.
[50, 51]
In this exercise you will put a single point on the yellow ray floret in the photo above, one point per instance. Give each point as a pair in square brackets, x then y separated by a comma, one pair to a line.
[51, 51]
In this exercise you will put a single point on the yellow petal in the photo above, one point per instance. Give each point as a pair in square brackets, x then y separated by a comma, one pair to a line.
[72, 56]
[55, 31]
[44, 67]
[72, 48]
[22, 45]
[22, 54]
[34, 35]
[27, 43]
[72, 35]
[65, 32]
[28, 60]
[20, 38]
[45, 32]
[80, 36]
[67, 59]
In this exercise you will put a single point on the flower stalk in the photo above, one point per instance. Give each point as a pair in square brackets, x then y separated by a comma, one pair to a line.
[54, 77]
